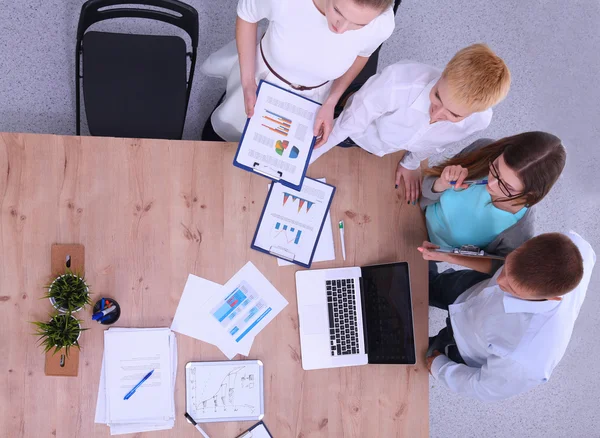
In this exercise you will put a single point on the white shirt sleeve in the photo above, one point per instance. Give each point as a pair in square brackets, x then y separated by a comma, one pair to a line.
[412, 159]
[375, 98]
[498, 379]
[253, 11]
[383, 30]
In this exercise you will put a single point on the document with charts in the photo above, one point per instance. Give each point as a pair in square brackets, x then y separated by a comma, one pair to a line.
[292, 221]
[277, 140]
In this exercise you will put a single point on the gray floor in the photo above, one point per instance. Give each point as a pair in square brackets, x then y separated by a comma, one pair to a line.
[552, 50]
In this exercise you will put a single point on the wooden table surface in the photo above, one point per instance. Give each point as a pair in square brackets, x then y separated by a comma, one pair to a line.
[149, 212]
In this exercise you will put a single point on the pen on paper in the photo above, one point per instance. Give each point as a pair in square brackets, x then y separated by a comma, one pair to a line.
[196, 425]
[130, 393]
[341, 225]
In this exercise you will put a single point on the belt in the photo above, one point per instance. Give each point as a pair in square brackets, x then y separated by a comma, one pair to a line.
[294, 86]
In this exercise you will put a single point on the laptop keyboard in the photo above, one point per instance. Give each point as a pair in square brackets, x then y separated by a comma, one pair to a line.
[343, 325]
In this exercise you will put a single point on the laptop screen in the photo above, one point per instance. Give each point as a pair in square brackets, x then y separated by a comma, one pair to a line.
[388, 309]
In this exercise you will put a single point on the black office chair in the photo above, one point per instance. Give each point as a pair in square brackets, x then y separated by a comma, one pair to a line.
[135, 85]
[370, 68]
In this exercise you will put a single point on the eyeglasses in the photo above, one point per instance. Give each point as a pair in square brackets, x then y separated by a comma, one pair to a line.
[503, 188]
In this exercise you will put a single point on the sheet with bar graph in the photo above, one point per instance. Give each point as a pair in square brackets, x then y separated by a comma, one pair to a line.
[292, 221]
[277, 141]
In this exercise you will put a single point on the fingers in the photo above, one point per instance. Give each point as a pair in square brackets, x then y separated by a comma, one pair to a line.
[430, 245]
[462, 175]
[398, 175]
[326, 131]
[318, 127]
[320, 142]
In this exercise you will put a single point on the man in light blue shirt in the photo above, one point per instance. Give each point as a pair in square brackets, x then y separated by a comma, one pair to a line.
[506, 334]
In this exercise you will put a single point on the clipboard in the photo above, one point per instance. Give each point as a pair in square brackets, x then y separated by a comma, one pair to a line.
[259, 427]
[293, 228]
[222, 391]
[469, 251]
[281, 147]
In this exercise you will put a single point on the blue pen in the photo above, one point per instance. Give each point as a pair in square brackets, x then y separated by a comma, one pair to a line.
[130, 393]
[474, 182]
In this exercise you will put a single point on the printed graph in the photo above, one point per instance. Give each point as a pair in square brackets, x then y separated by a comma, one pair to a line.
[208, 400]
[276, 123]
[281, 145]
[301, 202]
[291, 234]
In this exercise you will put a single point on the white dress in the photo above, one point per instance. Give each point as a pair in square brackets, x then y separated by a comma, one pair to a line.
[299, 46]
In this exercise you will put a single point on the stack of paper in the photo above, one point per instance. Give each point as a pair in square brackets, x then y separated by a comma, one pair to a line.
[129, 354]
[228, 316]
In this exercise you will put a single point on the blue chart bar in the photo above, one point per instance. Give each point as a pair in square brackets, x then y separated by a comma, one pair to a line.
[285, 227]
[277, 225]
[259, 319]
[298, 237]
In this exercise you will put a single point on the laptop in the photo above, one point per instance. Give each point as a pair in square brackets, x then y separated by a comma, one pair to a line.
[355, 316]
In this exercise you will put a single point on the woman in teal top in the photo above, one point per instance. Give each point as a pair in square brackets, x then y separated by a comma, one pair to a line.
[495, 216]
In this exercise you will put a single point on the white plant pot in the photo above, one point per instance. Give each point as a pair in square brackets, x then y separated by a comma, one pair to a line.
[53, 301]
[78, 336]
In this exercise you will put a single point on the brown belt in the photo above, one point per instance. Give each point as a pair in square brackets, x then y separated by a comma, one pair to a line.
[294, 86]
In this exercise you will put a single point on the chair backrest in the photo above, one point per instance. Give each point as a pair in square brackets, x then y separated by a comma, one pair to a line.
[174, 12]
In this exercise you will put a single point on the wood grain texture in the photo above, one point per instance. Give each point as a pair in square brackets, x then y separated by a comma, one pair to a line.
[149, 212]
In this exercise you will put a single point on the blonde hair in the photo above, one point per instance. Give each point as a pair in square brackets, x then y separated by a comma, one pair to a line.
[477, 77]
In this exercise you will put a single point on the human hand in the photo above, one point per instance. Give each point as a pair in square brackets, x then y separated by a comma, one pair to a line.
[323, 124]
[427, 250]
[412, 182]
[431, 358]
[249, 90]
[451, 173]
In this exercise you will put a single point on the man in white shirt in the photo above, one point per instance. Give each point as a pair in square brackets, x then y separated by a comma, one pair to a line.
[505, 335]
[420, 109]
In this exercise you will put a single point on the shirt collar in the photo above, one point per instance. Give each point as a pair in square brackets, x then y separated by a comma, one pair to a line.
[513, 304]
[422, 102]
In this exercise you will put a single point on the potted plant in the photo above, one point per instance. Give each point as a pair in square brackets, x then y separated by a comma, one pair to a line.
[68, 292]
[62, 331]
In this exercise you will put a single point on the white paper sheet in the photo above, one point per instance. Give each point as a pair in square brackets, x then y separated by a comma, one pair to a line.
[101, 415]
[246, 304]
[325, 249]
[280, 134]
[190, 321]
[292, 219]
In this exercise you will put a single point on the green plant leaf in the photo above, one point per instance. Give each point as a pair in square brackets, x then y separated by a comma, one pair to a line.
[62, 330]
[69, 291]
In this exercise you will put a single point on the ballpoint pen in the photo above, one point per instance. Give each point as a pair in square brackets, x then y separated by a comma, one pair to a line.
[341, 225]
[130, 393]
[196, 425]
[474, 182]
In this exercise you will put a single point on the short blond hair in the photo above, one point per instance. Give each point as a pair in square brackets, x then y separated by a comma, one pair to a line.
[477, 77]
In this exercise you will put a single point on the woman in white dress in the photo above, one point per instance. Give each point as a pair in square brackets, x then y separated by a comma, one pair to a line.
[312, 47]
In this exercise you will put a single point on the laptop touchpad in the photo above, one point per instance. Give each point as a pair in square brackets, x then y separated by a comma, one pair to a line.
[314, 320]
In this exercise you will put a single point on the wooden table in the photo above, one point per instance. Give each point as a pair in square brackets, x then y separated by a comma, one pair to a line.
[149, 212]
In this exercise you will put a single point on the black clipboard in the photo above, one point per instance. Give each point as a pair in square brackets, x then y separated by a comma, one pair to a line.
[290, 256]
[248, 433]
[266, 169]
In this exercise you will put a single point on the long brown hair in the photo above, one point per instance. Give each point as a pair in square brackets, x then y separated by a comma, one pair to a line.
[537, 157]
